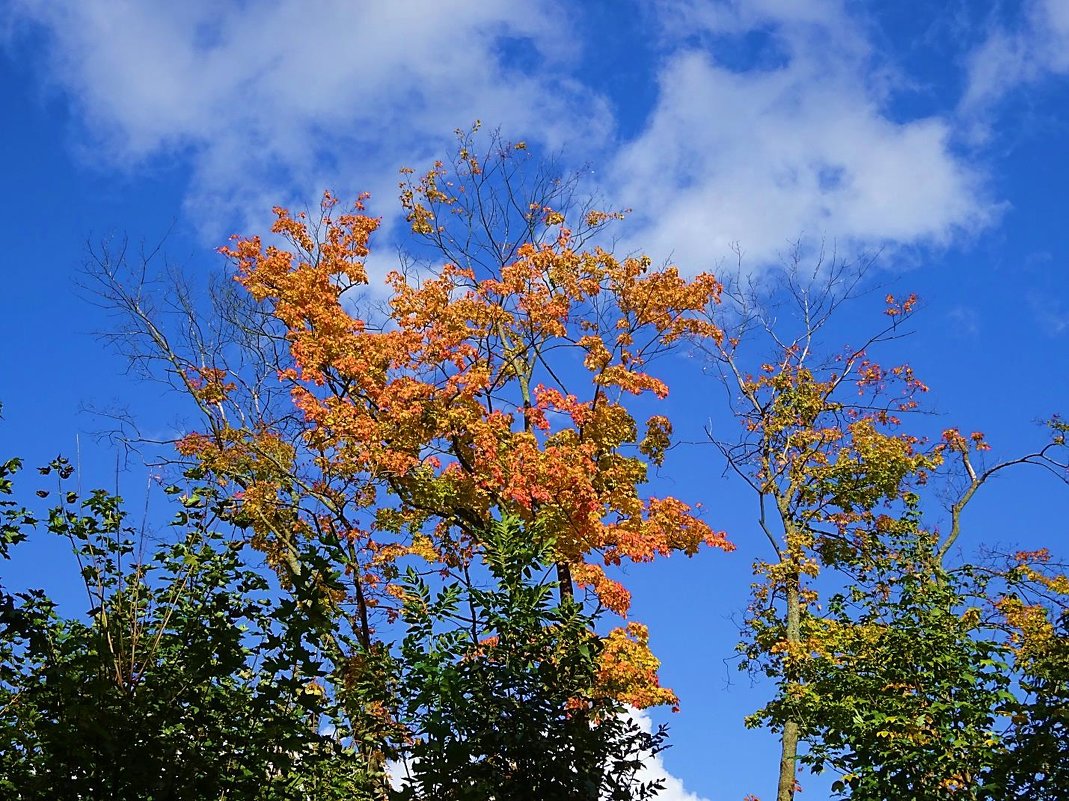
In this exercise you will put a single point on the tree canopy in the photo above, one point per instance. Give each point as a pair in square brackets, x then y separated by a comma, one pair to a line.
[403, 502]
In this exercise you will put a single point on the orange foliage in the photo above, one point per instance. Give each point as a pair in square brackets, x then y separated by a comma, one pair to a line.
[455, 404]
[449, 376]
[628, 669]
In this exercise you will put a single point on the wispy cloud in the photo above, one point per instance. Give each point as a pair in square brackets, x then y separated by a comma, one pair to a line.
[1050, 313]
[1034, 46]
[963, 322]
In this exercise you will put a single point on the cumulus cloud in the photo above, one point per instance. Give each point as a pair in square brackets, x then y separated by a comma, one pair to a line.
[799, 142]
[270, 103]
[297, 96]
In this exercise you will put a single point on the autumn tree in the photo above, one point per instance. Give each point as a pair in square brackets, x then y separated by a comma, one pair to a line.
[838, 476]
[443, 407]
[385, 422]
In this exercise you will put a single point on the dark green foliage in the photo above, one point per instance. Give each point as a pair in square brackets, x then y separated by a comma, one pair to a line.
[499, 683]
[185, 682]
[188, 681]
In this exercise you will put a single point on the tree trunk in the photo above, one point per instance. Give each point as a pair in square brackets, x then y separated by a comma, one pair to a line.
[788, 767]
[788, 778]
[564, 581]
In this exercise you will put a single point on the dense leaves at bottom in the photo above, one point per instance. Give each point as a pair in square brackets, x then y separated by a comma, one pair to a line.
[189, 679]
[184, 682]
[907, 689]
[1037, 766]
[501, 686]
[905, 701]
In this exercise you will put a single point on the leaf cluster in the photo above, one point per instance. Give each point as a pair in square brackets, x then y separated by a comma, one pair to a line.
[501, 688]
[184, 681]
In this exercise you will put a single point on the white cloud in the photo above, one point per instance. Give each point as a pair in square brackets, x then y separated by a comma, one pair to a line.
[271, 103]
[1036, 47]
[804, 145]
[292, 96]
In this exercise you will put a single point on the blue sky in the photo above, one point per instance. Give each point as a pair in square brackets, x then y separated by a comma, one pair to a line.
[937, 133]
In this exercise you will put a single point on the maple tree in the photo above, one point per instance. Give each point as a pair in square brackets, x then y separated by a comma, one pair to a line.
[452, 404]
[362, 425]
